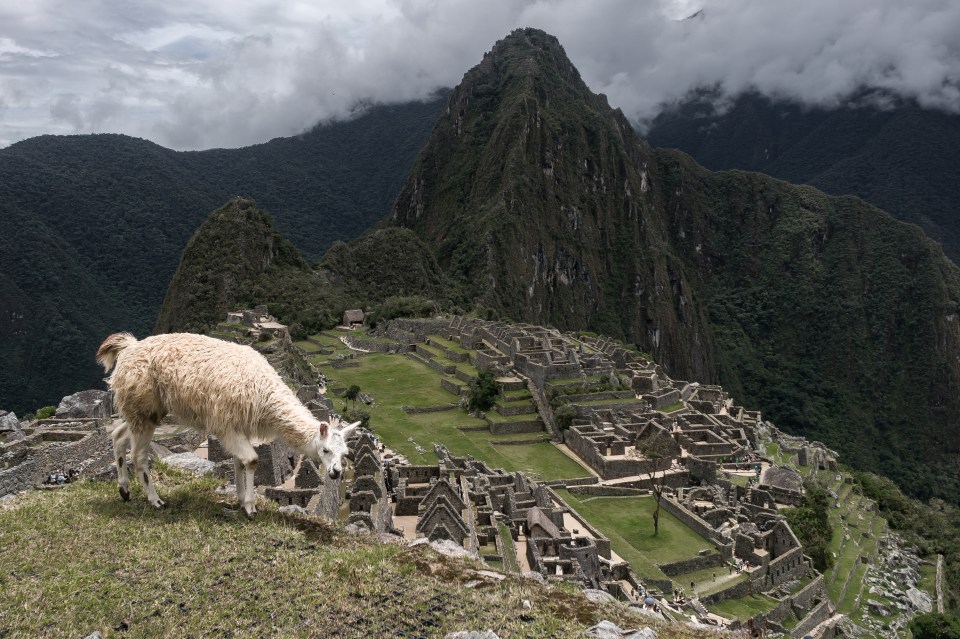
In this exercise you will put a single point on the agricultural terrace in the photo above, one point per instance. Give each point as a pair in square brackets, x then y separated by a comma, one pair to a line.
[394, 381]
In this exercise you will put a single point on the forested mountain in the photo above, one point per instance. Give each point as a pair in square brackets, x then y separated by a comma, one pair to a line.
[92, 227]
[238, 259]
[543, 204]
[898, 156]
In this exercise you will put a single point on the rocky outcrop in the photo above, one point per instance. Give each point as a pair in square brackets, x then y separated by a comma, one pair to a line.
[85, 404]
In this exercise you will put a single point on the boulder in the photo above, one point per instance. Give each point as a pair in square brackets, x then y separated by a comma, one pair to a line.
[472, 634]
[878, 608]
[782, 477]
[598, 596]
[920, 600]
[8, 422]
[644, 633]
[190, 463]
[604, 630]
[88, 403]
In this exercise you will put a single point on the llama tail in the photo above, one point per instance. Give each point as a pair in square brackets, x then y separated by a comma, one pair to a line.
[110, 349]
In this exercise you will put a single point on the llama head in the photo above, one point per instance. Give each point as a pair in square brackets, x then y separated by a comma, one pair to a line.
[330, 445]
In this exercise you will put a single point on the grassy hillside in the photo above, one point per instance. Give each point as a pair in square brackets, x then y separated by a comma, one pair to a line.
[78, 560]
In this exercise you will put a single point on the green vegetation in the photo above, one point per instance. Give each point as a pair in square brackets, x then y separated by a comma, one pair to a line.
[394, 381]
[853, 148]
[744, 607]
[628, 523]
[45, 412]
[483, 391]
[811, 524]
[198, 568]
[933, 625]
[509, 549]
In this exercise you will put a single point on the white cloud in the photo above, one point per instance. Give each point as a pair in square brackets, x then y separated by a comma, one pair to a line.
[237, 72]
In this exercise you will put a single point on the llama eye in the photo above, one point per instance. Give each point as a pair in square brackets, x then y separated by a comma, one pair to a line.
[326, 451]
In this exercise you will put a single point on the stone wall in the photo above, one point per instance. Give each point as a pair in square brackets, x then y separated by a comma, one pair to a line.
[820, 613]
[690, 565]
[510, 428]
[804, 598]
[740, 589]
[416, 410]
[377, 346]
[449, 386]
[691, 520]
[91, 453]
[516, 409]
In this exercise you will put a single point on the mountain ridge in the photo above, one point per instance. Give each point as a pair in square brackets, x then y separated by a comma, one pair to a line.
[123, 209]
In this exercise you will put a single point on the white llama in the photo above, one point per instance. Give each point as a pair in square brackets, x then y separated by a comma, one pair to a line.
[228, 390]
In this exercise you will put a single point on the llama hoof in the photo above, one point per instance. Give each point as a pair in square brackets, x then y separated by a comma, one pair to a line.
[251, 514]
[124, 494]
[158, 504]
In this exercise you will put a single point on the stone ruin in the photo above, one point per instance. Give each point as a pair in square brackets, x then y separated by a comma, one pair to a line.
[258, 322]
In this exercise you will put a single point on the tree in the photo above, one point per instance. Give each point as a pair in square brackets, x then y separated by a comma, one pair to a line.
[483, 391]
[352, 393]
[811, 523]
[933, 625]
[563, 416]
[659, 447]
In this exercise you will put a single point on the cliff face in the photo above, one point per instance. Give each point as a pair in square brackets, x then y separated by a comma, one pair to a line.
[541, 202]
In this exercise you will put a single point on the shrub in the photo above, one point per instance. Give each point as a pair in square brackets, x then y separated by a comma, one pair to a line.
[46, 412]
[483, 391]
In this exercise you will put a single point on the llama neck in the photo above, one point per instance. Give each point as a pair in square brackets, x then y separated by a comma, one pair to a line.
[292, 422]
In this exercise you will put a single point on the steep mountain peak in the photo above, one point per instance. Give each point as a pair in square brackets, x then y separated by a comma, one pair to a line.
[537, 200]
[233, 248]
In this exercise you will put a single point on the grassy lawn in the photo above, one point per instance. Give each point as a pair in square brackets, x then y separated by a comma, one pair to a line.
[394, 381]
[310, 347]
[78, 560]
[706, 584]
[450, 346]
[628, 523]
[853, 590]
[510, 562]
[744, 607]
[670, 408]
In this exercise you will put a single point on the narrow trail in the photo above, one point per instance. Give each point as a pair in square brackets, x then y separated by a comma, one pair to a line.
[940, 584]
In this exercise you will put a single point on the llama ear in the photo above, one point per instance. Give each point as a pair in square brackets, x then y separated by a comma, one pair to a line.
[324, 428]
[349, 429]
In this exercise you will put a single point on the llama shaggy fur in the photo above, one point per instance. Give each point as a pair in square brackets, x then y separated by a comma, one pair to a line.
[228, 390]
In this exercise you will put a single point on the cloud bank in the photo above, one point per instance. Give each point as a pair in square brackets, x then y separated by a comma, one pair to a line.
[228, 73]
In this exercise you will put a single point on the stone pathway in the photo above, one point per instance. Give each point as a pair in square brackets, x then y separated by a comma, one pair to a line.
[940, 584]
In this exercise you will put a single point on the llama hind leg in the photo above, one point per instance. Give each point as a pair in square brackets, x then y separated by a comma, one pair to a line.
[141, 458]
[121, 443]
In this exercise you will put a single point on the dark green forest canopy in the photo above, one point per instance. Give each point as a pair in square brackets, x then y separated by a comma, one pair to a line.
[92, 227]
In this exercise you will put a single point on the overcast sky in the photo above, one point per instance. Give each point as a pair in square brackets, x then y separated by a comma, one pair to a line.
[228, 73]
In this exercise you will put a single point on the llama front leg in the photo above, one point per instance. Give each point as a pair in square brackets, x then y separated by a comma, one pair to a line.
[239, 479]
[141, 457]
[244, 465]
[121, 443]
